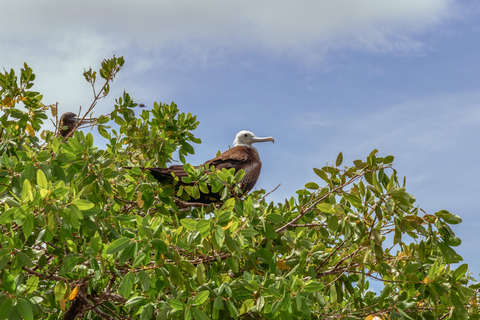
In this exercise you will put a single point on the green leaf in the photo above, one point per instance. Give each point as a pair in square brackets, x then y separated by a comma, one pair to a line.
[219, 235]
[8, 282]
[354, 200]
[42, 179]
[339, 160]
[457, 303]
[188, 223]
[27, 194]
[332, 224]
[28, 225]
[126, 285]
[83, 205]
[247, 304]
[448, 217]
[6, 308]
[203, 226]
[175, 304]
[312, 185]
[231, 245]
[199, 315]
[397, 192]
[326, 207]
[24, 259]
[322, 174]
[187, 267]
[249, 232]
[144, 280]
[59, 290]
[128, 253]
[118, 245]
[231, 308]
[25, 309]
[218, 304]
[275, 218]
[232, 264]
[160, 246]
[406, 304]
[136, 301]
[388, 159]
[450, 255]
[70, 262]
[460, 272]
[313, 287]
[32, 284]
[6, 217]
[225, 217]
[269, 231]
[475, 285]
[147, 312]
[175, 275]
[201, 298]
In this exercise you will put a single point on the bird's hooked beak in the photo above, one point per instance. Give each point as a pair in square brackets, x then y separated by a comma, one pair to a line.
[258, 139]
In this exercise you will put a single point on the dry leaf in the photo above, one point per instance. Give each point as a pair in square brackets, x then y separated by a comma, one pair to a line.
[30, 130]
[8, 102]
[282, 266]
[53, 109]
[73, 294]
[228, 225]
[139, 200]
[62, 304]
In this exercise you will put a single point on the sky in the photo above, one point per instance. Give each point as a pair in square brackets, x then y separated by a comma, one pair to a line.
[320, 76]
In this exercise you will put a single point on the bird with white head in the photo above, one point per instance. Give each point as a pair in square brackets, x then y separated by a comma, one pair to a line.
[243, 156]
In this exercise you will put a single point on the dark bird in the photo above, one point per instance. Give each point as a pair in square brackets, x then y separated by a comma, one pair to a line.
[68, 122]
[242, 156]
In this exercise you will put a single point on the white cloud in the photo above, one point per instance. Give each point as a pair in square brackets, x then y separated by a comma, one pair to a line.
[59, 38]
[271, 25]
[434, 124]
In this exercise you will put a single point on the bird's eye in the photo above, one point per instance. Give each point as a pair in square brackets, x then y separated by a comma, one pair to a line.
[245, 135]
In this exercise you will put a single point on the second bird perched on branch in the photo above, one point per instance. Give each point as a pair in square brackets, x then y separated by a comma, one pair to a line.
[68, 123]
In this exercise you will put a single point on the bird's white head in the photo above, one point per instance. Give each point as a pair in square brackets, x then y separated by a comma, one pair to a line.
[246, 138]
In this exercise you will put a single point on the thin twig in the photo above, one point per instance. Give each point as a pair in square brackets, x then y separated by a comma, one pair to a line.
[263, 198]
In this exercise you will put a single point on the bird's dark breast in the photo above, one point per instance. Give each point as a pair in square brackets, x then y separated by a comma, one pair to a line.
[252, 172]
[70, 125]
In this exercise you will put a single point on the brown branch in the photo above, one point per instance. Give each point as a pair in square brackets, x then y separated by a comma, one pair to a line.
[44, 276]
[90, 305]
[331, 254]
[97, 97]
[112, 297]
[308, 225]
[271, 191]
[380, 279]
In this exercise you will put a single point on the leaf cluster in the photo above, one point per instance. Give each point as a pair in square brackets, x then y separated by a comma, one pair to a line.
[81, 236]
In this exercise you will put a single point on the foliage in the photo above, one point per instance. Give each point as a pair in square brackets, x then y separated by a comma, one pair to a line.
[82, 236]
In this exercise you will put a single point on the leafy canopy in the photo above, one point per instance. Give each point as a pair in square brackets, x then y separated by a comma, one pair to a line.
[83, 237]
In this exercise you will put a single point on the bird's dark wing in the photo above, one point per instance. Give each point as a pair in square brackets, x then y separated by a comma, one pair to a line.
[164, 174]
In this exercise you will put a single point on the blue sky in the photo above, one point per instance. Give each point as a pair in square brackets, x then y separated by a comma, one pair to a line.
[319, 76]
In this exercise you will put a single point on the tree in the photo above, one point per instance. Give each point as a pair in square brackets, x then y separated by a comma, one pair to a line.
[82, 237]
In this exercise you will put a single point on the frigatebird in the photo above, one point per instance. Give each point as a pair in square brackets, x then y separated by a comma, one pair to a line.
[68, 123]
[242, 156]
